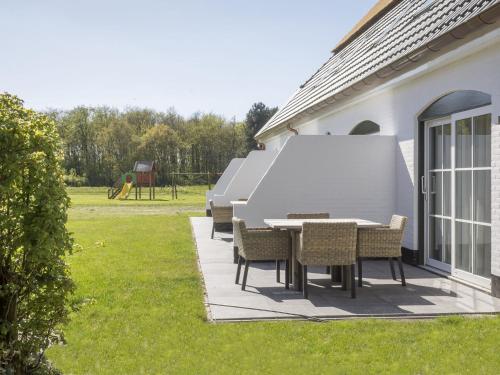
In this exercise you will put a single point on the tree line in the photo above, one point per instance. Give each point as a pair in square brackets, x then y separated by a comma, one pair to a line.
[101, 143]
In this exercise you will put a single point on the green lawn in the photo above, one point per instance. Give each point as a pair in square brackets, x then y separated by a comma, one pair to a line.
[140, 311]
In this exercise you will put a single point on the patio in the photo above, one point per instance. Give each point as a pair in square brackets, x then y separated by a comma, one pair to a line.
[426, 294]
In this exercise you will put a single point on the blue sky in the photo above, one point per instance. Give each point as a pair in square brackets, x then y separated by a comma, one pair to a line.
[212, 56]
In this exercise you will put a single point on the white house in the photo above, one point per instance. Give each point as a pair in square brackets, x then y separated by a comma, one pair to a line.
[427, 75]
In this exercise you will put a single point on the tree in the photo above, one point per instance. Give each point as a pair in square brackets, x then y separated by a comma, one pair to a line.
[256, 118]
[34, 278]
[161, 144]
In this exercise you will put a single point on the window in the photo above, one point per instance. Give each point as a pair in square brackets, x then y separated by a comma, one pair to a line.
[365, 128]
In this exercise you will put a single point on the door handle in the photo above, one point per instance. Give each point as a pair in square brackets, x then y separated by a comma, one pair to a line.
[423, 187]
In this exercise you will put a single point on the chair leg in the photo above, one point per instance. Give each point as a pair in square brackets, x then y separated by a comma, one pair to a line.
[235, 254]
[245, 274]
[344, 277]
[401, 271]
[213, 230]
[328, 270]
[278, 262]
[360, 272]
[304, 281]
[238, 270]
[391, 264]
[353, 281]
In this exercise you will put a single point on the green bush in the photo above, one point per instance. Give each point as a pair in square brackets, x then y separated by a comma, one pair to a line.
[34, 278]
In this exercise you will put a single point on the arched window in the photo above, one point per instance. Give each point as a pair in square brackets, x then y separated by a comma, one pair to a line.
[365, 128]
[457, 101]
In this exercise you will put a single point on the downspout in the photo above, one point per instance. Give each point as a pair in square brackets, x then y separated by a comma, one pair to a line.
[295, 131]
[261, 146]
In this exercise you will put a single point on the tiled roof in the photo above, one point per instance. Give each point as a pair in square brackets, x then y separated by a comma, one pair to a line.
[409, 26]
[375, 13]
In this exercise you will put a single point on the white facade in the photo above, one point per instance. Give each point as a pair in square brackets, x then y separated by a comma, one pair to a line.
[223, 180]
[246, 177]
[396, 105]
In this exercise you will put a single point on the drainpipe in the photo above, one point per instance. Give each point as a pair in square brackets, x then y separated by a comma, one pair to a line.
[295, 131]
[261, 146]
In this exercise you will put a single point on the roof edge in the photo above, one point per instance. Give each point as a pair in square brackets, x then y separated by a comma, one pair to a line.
[374, 14]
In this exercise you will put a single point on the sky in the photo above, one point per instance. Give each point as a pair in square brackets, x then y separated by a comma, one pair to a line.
[216, 56]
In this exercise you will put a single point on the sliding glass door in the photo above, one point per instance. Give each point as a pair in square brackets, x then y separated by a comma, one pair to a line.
[457, 187]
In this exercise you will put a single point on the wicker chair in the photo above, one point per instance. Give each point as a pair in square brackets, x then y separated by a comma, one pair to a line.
[260, 244]
[327, 244]
[220, 215]
[382, 242]
[311, 215]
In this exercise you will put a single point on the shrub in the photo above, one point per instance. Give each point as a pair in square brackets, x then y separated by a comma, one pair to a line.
[34, 278]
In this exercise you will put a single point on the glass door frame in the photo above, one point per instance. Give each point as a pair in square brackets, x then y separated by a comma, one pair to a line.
[461, 274]
[427, 184]
[426, 187]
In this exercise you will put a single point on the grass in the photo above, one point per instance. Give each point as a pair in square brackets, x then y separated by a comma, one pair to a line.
[141, 312]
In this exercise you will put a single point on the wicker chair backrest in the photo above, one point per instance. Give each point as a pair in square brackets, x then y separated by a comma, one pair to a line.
[329, 243]
[313, 215]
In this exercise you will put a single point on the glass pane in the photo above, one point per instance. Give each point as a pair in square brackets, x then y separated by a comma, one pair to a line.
[435, 239]
[463, 246]
[482, 196]
[447, 241]
[447, 194]
[447, 146]
[463, 143]
[436, 146]
[463, 193]
[436, 193]
[482, 252]
[482, 141]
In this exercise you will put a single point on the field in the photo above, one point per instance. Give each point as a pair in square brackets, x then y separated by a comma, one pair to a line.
[139, 310]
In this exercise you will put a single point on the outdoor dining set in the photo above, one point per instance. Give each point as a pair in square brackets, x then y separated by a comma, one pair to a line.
[314, 239]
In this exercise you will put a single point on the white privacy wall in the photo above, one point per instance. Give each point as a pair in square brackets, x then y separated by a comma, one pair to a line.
[495, 199]
[246, 177]
[395, 106]
[223, 180]
[344, 175]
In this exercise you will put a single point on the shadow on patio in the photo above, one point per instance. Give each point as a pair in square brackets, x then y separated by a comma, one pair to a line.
[425, 295]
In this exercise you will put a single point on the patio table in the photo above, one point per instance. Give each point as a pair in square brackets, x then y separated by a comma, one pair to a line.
[294, 226]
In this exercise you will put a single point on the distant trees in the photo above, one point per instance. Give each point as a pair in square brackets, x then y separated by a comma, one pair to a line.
[101, 143]
[256, 118]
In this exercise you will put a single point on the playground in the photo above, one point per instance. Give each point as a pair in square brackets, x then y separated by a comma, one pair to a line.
[142, 179]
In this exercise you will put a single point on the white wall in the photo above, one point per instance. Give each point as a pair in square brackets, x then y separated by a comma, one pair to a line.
[343, 175]
[495, 200]
[223, 180]
[395, 106]
[246, 177]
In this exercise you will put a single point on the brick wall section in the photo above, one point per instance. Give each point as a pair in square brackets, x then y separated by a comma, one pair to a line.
[495, 204]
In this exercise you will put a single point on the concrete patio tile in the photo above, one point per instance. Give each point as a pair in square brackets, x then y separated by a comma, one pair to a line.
[426, 294]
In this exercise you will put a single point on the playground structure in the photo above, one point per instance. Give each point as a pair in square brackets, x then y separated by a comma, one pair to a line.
[143, 175]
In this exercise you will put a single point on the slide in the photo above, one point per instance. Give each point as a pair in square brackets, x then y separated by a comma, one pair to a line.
[127, 186]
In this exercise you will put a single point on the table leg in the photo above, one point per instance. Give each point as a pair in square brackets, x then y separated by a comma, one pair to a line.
[296, 268]
[337, 274]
